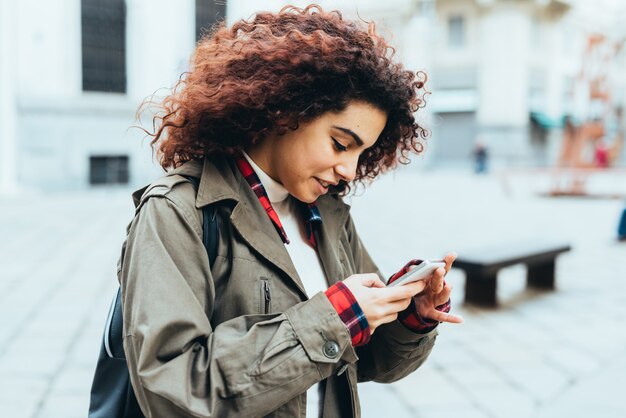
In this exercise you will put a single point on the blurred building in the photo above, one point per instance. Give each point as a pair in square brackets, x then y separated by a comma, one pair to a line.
[499, 66]
[501, 72]
[507, 72]
[72, 75]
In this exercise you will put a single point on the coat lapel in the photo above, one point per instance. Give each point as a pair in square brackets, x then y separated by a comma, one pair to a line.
[334, 215]
[255, 227]
[221, 180]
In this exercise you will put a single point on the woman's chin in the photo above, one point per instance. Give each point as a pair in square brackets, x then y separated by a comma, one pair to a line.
[306, 197]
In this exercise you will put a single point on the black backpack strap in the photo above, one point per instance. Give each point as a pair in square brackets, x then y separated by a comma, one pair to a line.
[210, 228]
[111, 392]
[113, 340]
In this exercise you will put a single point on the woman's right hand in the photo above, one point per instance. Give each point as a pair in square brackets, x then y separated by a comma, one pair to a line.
[379, 303]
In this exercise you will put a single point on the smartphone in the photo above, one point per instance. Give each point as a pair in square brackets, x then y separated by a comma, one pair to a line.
[421, 272]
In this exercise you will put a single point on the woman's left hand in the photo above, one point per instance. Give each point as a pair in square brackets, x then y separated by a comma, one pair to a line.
[437, 293]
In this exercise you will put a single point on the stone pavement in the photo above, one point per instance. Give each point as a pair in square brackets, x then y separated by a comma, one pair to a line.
[540, 354]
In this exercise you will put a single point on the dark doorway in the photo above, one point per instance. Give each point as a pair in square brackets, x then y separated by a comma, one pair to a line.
[108, 169]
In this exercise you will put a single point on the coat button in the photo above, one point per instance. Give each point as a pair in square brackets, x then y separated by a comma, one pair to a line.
[330, 349]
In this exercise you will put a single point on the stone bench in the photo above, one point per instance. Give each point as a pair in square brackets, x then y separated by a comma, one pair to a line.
[481, 268]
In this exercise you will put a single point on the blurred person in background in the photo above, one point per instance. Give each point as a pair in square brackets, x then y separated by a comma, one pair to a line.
[278, 117]
[621, 226]
[480, 157]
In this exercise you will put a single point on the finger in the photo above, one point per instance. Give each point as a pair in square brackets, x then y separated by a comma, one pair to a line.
[436, 281]
[389, 318]
[444, 317]
[412, 289]
[378, 283]
[387, 312]
[372, 280]
[396, 306]
[392, 294]
[443, 297]
[416, 287]
[449, 259]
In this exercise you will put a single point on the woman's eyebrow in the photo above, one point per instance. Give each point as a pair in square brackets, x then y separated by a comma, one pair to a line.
[357, 139]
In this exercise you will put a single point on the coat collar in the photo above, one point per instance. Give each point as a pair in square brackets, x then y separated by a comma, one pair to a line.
[334, 213]
[221, 180]
[217, 179]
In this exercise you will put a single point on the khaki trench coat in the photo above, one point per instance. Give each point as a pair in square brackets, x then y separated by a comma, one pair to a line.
[242, 338]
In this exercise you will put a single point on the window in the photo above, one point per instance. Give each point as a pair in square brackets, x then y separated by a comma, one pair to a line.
[208, 13]
[108, 169]
[427, 8]
[104, 45]
[456, 32]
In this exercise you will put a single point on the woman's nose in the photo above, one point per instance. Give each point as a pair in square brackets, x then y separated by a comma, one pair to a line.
[346, 169]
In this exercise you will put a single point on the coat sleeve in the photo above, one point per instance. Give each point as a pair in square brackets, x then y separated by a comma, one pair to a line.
[180, 366]
[393, 351]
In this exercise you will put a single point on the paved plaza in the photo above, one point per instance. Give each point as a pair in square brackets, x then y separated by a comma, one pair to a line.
[540, 354]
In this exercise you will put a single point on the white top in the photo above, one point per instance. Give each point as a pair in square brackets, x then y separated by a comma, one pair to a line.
[303, 256]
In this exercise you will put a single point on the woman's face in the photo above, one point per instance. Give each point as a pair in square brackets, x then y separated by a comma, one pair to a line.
[321, 152]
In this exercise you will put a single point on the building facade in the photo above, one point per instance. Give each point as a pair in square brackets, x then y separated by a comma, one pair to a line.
[498, 63]
[73, 74]
[503, 73]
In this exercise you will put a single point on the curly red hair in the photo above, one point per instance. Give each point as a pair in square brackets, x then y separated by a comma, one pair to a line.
[277, 70]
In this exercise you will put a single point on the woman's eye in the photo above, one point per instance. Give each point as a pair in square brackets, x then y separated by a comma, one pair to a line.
[339, 145]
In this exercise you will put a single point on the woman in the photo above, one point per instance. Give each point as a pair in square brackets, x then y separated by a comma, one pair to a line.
[277, 116]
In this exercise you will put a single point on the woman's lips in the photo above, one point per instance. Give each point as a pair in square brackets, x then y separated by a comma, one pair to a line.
[322, 185]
